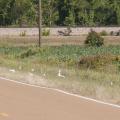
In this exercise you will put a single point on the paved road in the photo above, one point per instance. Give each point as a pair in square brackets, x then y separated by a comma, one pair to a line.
[21, 102]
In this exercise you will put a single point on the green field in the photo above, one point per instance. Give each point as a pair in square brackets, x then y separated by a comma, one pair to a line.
[61, 55]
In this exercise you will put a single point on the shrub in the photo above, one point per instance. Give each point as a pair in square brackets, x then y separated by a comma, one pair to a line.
[103, 33]
[46, 32]
[96, 61]
[66, 32]
[94, 39]
[115, 33]
[23, 33]
[27, 53]
[118, 33]
[112, 33]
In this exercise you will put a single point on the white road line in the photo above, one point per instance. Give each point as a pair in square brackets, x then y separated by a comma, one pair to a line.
[61, 91]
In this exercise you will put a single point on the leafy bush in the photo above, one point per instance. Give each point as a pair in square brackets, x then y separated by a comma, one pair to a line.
[46, 32]
[94, 39]
[103, 33]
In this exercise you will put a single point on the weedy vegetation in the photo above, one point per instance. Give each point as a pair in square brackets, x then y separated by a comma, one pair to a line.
[92, 71]
[103, 33]
[46, 32]
[94, 39]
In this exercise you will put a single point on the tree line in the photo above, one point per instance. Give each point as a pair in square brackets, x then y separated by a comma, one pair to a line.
[60, 12]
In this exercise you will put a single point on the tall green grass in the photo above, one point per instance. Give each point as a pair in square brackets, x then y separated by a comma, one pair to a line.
[62, 55]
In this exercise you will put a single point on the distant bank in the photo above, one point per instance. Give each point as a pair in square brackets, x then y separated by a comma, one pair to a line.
[55, 31]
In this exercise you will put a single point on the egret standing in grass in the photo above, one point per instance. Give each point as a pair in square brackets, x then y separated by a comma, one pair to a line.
[60, 74]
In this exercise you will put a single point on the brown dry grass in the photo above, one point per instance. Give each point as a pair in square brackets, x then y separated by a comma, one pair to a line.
[54, 40]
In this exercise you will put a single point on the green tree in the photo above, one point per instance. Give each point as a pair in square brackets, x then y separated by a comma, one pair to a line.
[60, 12]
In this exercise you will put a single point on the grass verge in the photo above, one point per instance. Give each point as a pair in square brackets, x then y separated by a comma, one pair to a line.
[40, 66]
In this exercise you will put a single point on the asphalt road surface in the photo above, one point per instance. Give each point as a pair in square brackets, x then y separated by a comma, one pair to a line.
[21, 102]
